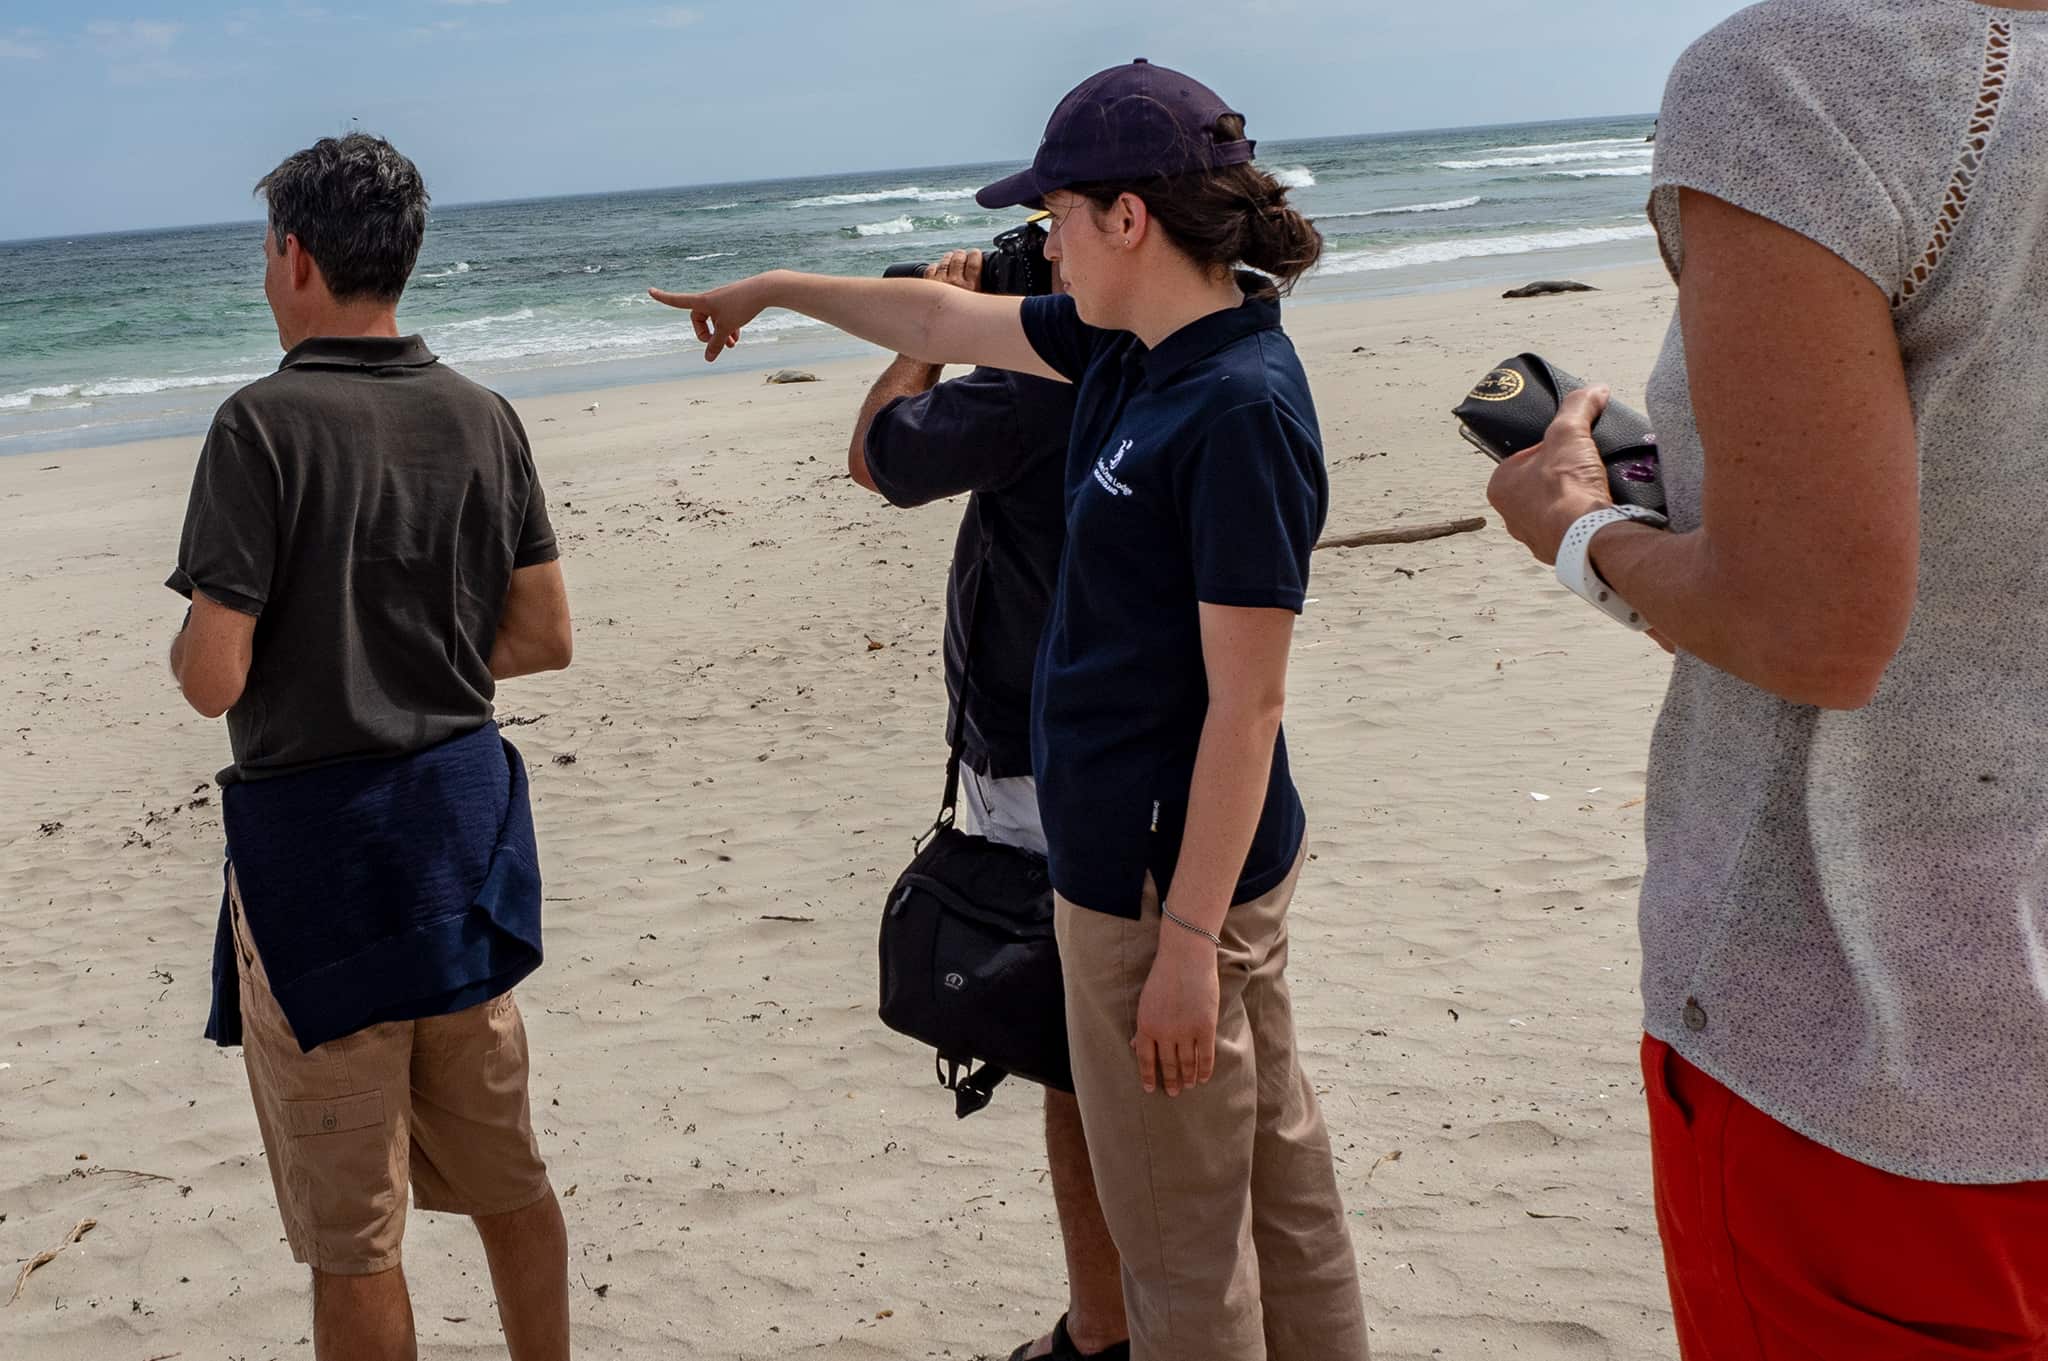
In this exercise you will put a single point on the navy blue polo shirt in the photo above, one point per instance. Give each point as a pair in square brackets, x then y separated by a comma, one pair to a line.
[1195, 474]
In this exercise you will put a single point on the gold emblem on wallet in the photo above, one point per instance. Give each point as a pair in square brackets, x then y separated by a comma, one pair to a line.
[1502, 385]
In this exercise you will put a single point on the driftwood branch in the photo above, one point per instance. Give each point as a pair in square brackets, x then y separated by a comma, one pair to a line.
[1441, 529]
[130, 1172]
[44, 1258]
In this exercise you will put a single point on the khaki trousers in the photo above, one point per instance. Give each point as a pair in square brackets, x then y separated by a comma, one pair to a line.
[1223, 1200]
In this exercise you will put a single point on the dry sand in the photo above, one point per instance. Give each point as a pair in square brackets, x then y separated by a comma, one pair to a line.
[726, 784]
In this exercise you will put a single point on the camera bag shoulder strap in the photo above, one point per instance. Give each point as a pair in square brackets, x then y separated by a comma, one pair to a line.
[950, 804]
[972, 1090]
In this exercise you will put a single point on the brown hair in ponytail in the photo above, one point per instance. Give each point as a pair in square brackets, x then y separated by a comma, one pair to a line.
[1234, 215]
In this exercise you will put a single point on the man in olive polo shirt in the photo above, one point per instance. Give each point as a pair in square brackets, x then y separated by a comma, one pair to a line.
[367, 553]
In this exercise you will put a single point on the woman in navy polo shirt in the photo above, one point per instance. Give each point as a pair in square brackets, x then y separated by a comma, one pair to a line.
[1195, 493]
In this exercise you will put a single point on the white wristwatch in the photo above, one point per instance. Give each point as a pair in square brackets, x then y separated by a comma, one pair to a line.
[1576, 570]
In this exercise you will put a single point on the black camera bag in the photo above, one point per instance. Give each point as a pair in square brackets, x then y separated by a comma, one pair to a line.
[968, 960]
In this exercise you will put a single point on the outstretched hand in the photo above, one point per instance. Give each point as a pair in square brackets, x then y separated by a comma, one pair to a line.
[1542, 491]
[720, 315]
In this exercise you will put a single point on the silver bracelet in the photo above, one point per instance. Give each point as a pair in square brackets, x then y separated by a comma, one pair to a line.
[1184, 924]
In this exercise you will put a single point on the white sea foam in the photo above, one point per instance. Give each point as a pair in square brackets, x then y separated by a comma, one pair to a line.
[899, 225]
[908, 194]
[459, 267]
[1547, 158]
[1563, 146]
[484, 323]
[1294, 177]
[69, 429]
[1447, 206]
[582, 340]
[1476, 247]
[714, 255]
[714, 207]
[568, 343]
[1603, 172]
[15, 401]
[780, 321]
[141, 387]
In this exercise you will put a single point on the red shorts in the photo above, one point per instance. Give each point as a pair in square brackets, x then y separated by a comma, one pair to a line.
[1779, 1249]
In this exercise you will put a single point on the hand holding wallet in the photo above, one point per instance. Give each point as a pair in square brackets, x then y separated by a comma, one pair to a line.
[1512, 408]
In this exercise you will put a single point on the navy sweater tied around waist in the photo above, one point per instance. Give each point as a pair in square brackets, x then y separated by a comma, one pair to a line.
[382, 890]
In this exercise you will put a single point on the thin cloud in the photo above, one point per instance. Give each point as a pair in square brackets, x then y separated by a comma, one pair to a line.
[674, 16]
[138, 51]
[134, 35]
[440, 28]
[19, 47]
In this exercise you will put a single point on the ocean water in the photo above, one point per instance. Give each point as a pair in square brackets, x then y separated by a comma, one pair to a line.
[141, 334]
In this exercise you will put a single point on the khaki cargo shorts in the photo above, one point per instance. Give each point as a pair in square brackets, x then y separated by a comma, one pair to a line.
[438, 1103]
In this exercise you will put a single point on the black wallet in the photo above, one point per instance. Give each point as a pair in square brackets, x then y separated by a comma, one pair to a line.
[1514, 405]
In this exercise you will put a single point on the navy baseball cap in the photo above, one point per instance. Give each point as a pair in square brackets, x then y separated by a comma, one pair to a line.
[1132, 122]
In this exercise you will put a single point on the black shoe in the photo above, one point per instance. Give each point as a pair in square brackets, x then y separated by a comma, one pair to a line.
[1063, 1348]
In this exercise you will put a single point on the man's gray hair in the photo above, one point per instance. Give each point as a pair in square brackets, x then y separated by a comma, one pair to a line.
[358, 207]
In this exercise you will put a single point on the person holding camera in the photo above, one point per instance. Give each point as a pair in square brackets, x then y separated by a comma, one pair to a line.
[1001, 438]
[1195, 491]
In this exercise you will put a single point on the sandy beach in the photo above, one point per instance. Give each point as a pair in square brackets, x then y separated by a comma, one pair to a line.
[726, 784]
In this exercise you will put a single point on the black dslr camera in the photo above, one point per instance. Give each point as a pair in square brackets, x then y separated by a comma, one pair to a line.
[1016, 267]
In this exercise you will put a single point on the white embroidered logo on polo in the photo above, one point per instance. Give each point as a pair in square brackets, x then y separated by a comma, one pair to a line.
[1105, 467]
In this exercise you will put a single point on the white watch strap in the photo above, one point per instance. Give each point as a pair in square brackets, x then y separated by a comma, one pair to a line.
[1575, 568]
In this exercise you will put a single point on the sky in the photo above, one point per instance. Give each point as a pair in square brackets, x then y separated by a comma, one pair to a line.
[115, 116]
